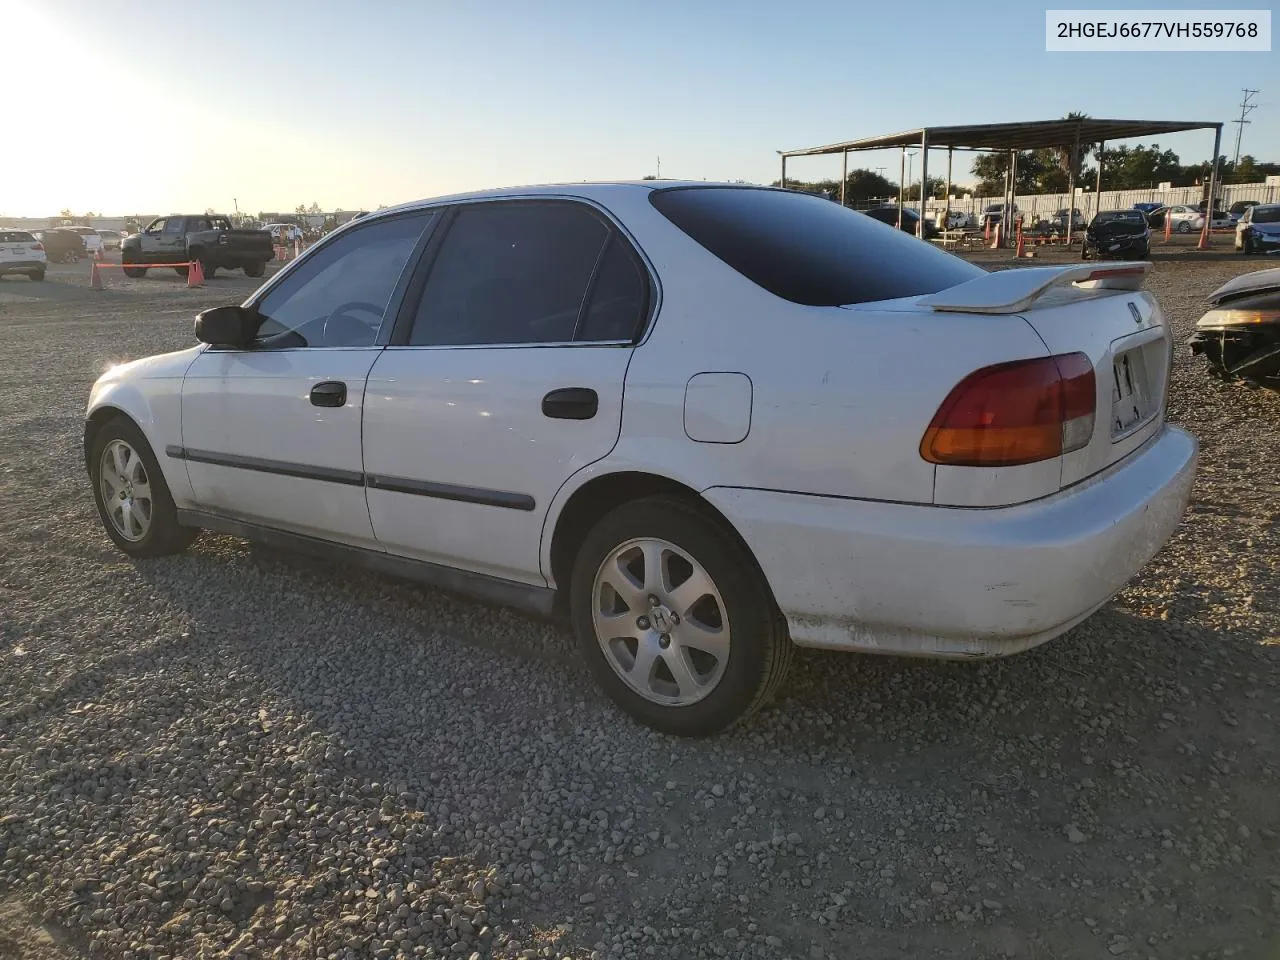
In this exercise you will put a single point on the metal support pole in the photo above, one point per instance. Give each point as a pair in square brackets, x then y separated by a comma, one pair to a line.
[844, 174]
[782, 180]
[1071, 186]
[902, 176]
[1013, 193]
[924, 179]
[1097, 186]
[946, 217]
[1213, 188]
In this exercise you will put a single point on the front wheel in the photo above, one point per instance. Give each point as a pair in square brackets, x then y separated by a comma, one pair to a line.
[1183, 227]
[675, 619]
[255, 269]
[1248, 246]
[132, 497]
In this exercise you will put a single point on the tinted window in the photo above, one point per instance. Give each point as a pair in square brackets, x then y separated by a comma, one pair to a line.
[618, 297]
[173, 226]
[339, 295]
[510, 273]
[807, 250]
[16, 236]
[1265, 214]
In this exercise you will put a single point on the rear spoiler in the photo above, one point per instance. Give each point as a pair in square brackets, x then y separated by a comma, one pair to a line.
[1011, 291]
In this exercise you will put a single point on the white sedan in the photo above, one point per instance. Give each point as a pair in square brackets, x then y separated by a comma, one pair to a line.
[1187, 219]
[708, 423]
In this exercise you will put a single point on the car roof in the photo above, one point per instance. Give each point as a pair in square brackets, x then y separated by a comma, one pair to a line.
[601, 190]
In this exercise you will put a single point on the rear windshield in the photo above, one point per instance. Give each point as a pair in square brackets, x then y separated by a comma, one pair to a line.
[16, 236]
[83, 231]
[809, 250]
[1266, 214]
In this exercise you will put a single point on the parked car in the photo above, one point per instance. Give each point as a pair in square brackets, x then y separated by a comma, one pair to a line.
[652, 409]
[111, 239]
[284, 232]
[1115, 234]
[1188, 219]
[910, 220]
[92, 239]
[21, 252]
[1148, 207]
[1237, 209]
[993, 213]
[1258, 230]
[62, 245]
[1240, 334]
[208, 238]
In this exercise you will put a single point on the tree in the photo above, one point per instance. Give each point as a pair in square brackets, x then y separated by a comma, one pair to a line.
[649, 176]
[1135, 168]
[863, 185]
[1069, 159]
[991, 169]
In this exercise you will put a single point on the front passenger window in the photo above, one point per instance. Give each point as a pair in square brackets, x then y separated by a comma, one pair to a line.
[339, 295]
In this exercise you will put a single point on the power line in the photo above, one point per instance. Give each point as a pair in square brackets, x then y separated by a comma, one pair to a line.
[1245, 109]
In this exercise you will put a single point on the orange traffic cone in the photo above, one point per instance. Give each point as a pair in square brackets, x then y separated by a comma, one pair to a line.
[1020, 248]
[1204, 234]
[95, 278]
[195, 274]
[97, 255]
[1168, 227]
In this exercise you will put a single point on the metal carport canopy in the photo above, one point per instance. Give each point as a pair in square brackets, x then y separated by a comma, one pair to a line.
[1013, 137]
[1034, 135]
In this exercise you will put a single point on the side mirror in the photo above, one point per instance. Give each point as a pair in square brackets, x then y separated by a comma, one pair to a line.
[228, 326]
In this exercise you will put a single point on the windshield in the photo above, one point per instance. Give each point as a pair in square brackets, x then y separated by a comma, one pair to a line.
[1118, 216]
[808, 250]
[1266, 214]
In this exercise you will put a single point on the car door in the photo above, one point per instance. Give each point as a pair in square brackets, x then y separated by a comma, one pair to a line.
[271, 434]
[504, 379]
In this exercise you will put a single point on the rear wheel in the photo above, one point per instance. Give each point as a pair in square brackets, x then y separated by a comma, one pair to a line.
[182, 271]
[129, 489]
[255, 269]
[1183, 226]
[675, 619]
[37, 275]
[1248, 245]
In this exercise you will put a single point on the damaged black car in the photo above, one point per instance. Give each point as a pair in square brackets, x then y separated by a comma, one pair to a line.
[1122, 234]
[1240, 335]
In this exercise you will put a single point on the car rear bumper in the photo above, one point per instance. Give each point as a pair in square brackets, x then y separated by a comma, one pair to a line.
[21, 266]
[962, 583]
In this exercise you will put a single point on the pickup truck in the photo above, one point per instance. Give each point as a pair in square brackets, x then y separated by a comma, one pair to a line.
[208, 238]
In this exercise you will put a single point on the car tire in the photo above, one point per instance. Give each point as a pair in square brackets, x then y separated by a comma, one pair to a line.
[119, 454]
[1183, 227]
[209, 270]
[722, 685]
[255, 269]
[36, 275]
[1248, 246]
[135, 272]
[182, 271]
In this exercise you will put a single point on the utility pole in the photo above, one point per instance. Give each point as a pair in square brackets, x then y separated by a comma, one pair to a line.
[1245, 109]
[659, 168]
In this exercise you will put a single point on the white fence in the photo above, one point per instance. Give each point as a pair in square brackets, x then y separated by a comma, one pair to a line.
[1086, 201]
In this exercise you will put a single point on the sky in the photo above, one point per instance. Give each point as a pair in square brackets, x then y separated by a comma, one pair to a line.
[161, 107]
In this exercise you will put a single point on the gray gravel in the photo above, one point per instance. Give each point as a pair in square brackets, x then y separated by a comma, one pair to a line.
[238, 754]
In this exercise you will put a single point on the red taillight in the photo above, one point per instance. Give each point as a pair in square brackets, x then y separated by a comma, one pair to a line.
[37, 246]
[1014, 413]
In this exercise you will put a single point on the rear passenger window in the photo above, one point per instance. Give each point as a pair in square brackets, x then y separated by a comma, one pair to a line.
[512, 273]
[618, 297]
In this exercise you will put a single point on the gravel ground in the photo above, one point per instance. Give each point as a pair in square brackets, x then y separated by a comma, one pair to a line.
[237, 754]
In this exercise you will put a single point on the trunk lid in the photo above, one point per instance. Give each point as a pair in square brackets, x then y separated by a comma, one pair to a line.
[1127, 340]
[1102, 312]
